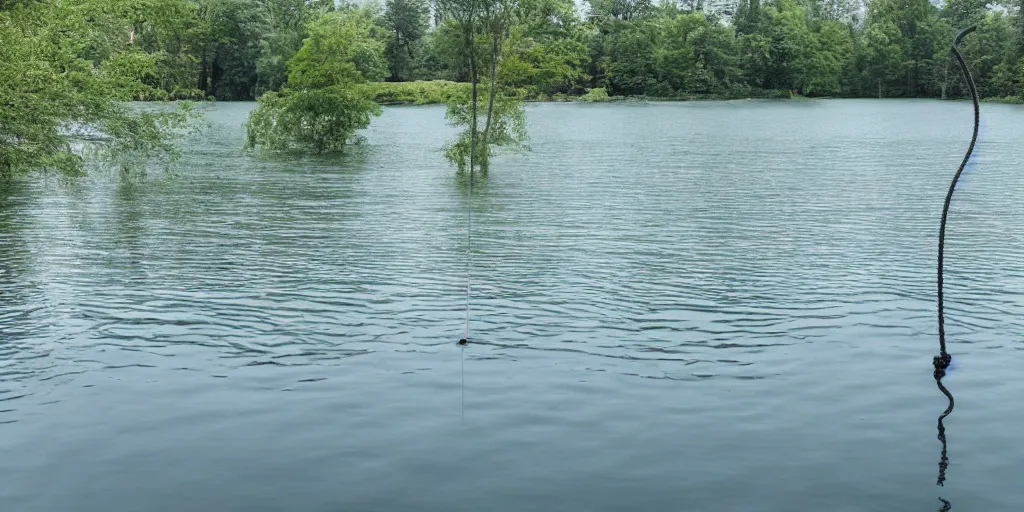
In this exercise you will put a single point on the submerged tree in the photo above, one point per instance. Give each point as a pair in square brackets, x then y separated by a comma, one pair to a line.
[322, 106]
[506, 129]
[57, 101]
[484, 26]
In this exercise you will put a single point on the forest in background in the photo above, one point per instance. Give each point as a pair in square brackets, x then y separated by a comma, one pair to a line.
[320, 69]
[240, 49]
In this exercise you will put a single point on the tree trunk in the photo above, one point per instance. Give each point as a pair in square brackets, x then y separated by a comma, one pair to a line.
[495, 52]
[474, 78]
[204, 78]
[945, 80]
[879, 88]
[473, 113]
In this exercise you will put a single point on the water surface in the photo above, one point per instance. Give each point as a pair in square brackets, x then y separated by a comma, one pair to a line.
[690, 306]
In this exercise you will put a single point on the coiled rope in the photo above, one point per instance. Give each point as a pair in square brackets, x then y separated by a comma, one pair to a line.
[941, 362]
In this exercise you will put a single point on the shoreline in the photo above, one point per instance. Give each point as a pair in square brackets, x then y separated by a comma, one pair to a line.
[637, 99]
[642, 99]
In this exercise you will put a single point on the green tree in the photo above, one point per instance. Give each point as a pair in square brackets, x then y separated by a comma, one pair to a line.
[990, 53]
[630, 58]
[57, 104]
[964, 13]
[406, 21]
[999, 38]
[881, 55]
[546, 49]
[843, 11]
[832, 61]
[698, 55]
[624, 10]
[919, 36]
[777, 52]
[545, 66]
[507, 130]
[322, 106]
[163, 31]
[484, 27]
[231, 47]
[440, 56]
[285, 30]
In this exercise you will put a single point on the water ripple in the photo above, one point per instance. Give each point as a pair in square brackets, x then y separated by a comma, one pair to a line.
[649, 242]
[674, 247]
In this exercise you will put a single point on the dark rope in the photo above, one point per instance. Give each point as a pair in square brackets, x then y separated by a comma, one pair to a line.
[952, 186]
[945, 505]
[941, 362]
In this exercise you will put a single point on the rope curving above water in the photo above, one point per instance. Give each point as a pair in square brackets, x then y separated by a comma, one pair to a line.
[941, 362]
[952, 186]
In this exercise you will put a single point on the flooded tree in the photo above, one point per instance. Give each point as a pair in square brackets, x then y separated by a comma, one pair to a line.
[484, 26]
[322, 106]
[56, 102]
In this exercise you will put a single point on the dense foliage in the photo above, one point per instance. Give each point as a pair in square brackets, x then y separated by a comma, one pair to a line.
[415, 93]
[322, 105]
[239, 49]
[321, 68]
[63, 79]
[492, 118]
[676, 49]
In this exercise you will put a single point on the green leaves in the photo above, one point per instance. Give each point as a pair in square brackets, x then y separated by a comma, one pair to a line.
[341, 49]
[544, 58]
[632, 63]
[54, 99]
[310, 121]
[416, 93]
[323, 104]
[507, 130]
[698, 56]
[407, 22]
[497, 120]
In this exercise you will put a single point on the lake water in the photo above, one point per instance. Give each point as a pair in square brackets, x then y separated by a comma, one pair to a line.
[720, 306]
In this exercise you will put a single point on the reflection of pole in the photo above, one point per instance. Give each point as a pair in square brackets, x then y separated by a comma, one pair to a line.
[941, 361]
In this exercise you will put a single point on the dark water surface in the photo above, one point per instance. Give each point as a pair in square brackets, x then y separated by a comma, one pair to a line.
[692, 307]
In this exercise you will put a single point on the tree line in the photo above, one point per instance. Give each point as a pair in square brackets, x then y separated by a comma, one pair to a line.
[321, 68]
[240, 49]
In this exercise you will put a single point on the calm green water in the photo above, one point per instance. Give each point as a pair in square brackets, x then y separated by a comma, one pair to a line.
[698, 306]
